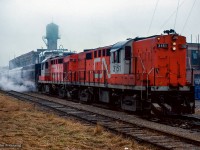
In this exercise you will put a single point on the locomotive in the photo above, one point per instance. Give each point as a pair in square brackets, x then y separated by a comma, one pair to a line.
[146, 74]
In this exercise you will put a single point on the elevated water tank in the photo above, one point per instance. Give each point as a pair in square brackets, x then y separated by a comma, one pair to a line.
[52, 35]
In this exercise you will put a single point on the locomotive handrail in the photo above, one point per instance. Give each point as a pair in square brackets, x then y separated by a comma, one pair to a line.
[93, 77]
[104, 72]
[89, 77]
[144, 70]
[189, 63]
[148, 82]
[142, 63]
[192, 76]
[71, 76]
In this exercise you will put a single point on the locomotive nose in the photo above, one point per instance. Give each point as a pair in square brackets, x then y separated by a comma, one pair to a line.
[170, 61]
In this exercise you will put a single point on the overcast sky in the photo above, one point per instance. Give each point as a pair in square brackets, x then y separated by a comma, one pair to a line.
[91, 23]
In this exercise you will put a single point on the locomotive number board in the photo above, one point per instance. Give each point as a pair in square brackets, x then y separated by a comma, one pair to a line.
[162, 45]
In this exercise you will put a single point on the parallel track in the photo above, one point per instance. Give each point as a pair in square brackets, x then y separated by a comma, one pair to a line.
[140, 133]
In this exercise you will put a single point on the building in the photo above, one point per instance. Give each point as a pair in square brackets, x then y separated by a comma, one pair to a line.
[193, 56]
[193, 66]
[24, 60]
[34, 57]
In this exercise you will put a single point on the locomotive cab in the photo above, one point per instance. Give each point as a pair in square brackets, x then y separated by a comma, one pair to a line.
[45, 76]
[122, 75]
[121, 57]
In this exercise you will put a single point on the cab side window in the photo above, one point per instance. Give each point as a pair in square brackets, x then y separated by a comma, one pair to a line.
[127, 52]
[46, 65]
[116, 56]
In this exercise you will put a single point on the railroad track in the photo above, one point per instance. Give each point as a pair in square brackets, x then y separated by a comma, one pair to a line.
[159, 139]
[190, 122]
[191, 117]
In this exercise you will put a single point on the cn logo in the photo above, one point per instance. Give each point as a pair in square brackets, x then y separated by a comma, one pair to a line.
[103, 65]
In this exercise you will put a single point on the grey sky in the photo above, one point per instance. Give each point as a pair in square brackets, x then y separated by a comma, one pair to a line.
[89, 23]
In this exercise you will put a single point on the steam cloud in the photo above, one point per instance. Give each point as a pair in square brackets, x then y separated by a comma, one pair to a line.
[12, 80]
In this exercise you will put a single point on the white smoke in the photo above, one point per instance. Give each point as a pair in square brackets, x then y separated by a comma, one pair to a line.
[12, 80]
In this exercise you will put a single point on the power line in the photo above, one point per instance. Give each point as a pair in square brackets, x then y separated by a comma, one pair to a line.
[170, 16]
[152, 17]
[188, 16]
[176, 14]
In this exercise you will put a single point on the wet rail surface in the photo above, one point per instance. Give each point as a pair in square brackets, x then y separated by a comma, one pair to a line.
[140, 133]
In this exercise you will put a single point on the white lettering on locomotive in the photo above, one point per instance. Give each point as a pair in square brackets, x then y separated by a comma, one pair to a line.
[103, 65]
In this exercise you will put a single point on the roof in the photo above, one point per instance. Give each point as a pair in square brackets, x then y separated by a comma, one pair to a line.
[45, 60]
[119, 45]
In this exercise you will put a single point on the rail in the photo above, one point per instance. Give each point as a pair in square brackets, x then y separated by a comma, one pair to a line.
[160, 139]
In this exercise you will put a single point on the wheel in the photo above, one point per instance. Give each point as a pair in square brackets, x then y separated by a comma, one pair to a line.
[85, 96]
[62, 92]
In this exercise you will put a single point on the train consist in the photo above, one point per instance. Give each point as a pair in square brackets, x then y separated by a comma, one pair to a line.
[141, 74]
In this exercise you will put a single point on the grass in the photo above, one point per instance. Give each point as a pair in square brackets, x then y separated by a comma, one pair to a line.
[22, 124]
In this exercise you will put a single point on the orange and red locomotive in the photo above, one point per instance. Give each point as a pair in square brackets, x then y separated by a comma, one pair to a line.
[140, 74]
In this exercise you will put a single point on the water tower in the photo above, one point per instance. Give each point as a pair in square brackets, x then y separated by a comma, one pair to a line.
[51, 36]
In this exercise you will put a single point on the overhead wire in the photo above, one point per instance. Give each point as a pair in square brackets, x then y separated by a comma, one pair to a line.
[170, 16]
[153, 16]
[176, 14]
[188, 16]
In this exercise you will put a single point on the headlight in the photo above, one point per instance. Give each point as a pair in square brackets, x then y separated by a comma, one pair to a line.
[174, 43]
[173, 48]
